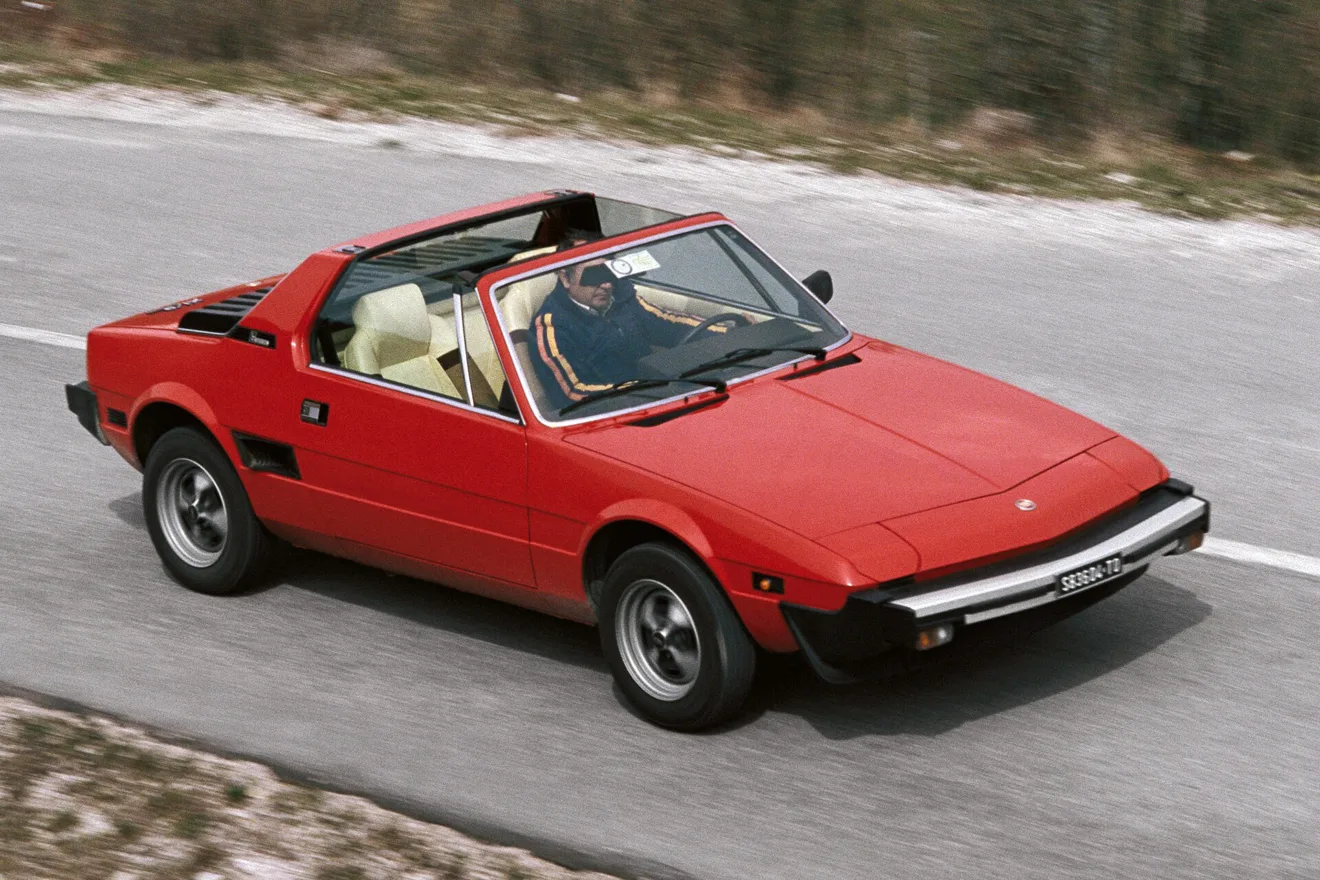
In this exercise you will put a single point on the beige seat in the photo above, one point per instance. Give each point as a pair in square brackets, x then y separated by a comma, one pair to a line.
[691, 305]
[444, 337]
[521, 301]
[677, 302]
[534, 252]
[482, 354]
[393, 340]
[518, 305]
[485, 370]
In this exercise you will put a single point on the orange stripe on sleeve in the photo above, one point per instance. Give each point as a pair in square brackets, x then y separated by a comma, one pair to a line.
[542, 350]
[666, 315]
[563, 361]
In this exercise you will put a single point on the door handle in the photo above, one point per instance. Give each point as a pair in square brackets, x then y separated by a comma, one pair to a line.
[314, 412]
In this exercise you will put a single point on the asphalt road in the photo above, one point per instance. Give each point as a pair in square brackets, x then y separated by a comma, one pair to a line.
[1168, 732]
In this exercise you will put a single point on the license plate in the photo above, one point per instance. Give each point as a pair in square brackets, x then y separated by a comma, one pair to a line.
[1090, 575]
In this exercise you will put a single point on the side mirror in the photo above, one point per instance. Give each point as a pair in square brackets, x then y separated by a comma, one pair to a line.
[821, 284]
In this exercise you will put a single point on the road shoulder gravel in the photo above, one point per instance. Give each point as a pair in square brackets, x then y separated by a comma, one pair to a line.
[83, 796]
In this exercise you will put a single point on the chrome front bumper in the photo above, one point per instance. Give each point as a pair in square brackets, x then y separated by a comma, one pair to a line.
[843, 645]
[986, 598]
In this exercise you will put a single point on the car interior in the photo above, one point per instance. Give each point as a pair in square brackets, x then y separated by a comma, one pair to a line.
[392, 315]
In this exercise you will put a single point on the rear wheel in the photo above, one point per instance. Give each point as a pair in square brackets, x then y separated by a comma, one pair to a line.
[199, 517]
[673, 641]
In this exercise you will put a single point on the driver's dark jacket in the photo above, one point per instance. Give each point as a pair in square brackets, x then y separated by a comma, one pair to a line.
[576, 351]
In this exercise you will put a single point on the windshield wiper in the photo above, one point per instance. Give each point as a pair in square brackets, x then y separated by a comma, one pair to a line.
[738, 355]
[627, 386]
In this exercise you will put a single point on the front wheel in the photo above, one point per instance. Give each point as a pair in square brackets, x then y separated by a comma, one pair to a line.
[673, 641]
[199, 517]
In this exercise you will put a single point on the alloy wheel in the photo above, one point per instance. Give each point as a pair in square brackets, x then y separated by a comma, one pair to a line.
[658, 640]
[192, 513]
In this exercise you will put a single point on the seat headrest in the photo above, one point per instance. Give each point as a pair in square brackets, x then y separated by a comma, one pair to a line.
[396, 322]
[520, 301]
[523, 299]
[534, 252]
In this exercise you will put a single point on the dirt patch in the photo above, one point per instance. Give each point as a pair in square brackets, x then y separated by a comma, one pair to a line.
[85, 797]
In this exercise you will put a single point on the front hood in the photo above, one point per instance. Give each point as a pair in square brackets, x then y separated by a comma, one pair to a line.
[1000, 432]
[891, 435]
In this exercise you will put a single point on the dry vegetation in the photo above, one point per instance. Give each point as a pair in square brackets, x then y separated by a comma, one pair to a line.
[1190, 107]
[89, 798]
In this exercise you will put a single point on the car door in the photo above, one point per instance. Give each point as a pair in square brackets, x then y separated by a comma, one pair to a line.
[402, 435]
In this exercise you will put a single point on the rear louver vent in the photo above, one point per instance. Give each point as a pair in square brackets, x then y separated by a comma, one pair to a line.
[219, 318]
[446, 257]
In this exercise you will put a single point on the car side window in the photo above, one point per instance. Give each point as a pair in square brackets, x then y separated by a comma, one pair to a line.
[393, 334]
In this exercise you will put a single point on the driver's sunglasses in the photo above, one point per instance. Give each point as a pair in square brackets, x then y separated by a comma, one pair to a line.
[595, 276]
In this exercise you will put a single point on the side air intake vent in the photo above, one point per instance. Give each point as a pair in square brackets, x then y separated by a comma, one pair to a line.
[267, 455]
[217, 319]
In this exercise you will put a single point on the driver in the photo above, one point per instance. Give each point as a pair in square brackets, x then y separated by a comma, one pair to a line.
[593, 328]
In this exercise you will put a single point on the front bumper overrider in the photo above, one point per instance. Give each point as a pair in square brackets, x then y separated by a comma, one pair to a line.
[873, 633]
[82, 403]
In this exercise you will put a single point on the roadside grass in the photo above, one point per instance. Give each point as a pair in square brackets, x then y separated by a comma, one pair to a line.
[1159, 176]
[84, 797]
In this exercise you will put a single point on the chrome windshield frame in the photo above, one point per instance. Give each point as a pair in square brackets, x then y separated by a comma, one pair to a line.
[650, 404]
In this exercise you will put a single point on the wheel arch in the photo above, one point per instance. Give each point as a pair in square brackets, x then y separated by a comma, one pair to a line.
[629, 527]
[164, 409]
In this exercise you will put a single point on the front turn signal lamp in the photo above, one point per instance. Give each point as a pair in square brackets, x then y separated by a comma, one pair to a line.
[1188, 543]
[933, 637]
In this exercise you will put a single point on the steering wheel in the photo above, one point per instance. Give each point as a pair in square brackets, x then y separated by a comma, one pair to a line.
[739, 320]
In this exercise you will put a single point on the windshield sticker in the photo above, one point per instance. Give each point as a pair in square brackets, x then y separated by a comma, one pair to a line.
[632, 264]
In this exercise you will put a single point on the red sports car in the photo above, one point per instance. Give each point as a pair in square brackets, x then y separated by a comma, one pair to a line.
[621, 415]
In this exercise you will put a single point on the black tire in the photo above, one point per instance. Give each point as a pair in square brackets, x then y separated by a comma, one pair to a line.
[662, 678]
[196, 551]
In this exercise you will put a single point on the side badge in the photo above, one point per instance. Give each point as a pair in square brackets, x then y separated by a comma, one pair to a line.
[1025, 504]
[315, 413]
[257, 337]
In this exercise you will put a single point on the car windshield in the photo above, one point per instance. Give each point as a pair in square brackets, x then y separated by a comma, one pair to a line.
[647, 322]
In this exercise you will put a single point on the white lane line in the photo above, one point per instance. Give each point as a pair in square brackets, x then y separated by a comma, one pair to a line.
[8, 259]
[1217, 547]
[80, 138]
[1253, 555]
[45, 337]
